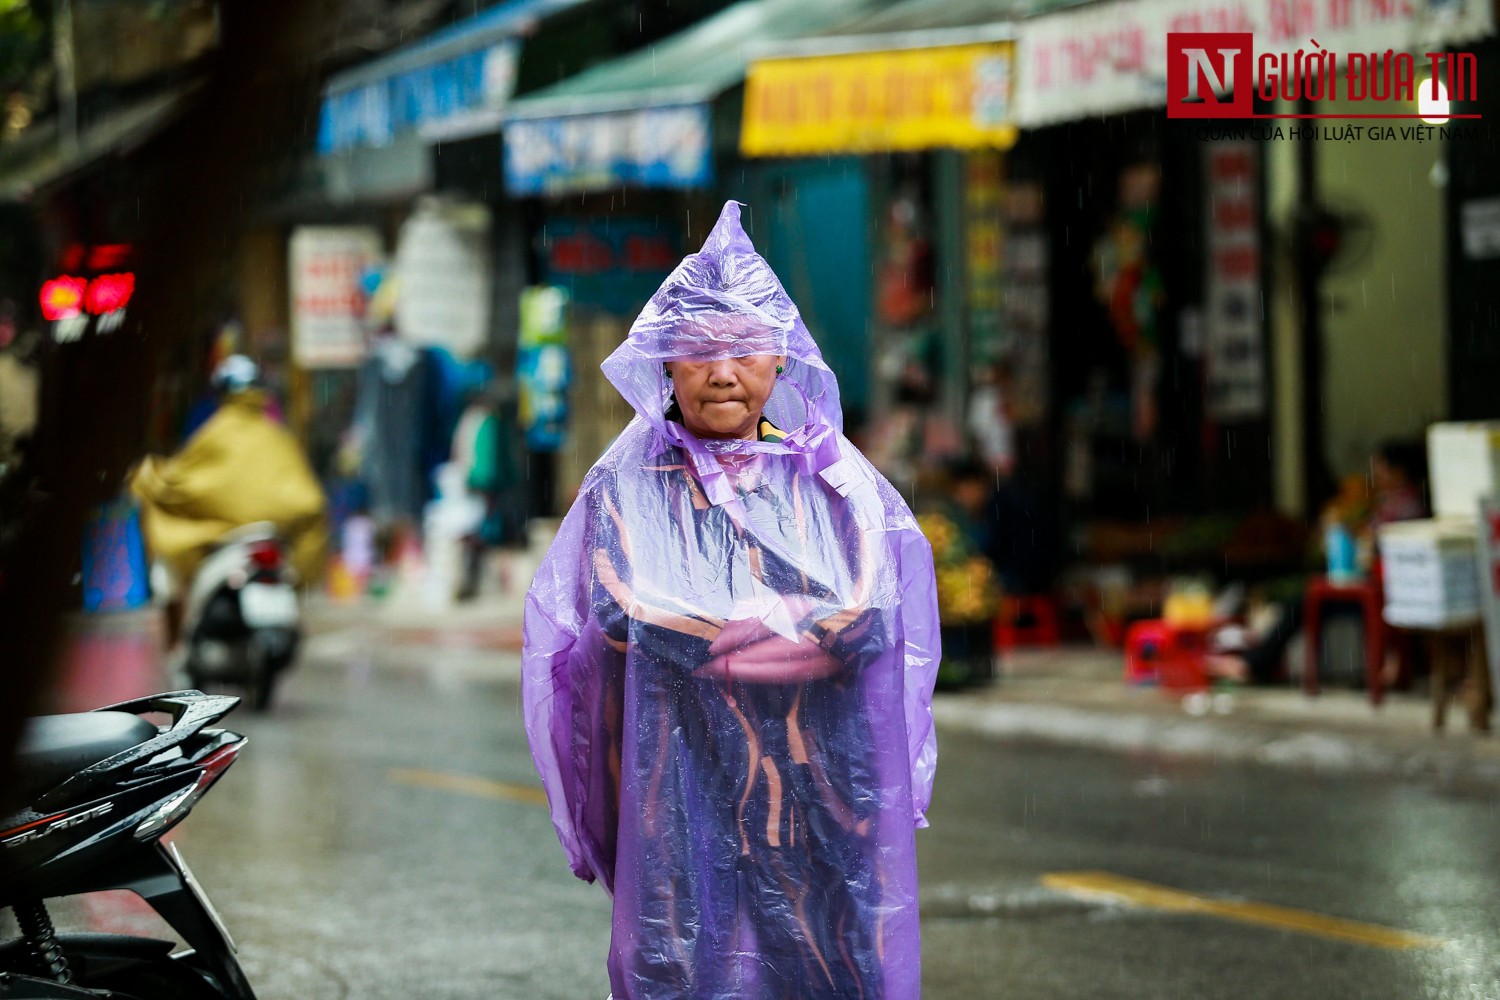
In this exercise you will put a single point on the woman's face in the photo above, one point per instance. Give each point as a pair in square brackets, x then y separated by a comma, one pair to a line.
[724, 398]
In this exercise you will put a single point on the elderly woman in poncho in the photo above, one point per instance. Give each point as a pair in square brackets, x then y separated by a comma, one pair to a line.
[729, 657]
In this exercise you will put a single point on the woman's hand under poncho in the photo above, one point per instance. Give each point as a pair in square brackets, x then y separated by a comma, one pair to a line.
[749, 652]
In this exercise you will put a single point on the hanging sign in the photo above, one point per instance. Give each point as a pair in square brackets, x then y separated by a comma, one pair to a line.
[1026, 258]
[1235, 358]
[443, 265]
[984, 235]
[956, 96]
[543, 367]
[328, 264]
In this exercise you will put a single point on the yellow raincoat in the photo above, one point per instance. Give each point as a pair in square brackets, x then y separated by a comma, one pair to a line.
[239, 468]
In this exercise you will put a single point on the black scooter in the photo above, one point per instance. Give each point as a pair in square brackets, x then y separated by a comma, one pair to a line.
[101, 789]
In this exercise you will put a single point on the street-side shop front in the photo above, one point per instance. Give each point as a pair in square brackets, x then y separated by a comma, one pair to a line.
[391, 269]
[622, 170]
[1239, 311]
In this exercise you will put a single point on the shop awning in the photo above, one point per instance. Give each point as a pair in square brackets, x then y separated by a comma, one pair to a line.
[38, 161]
[904, 25]
[929, 82]
[1108, 58]
[645, 118]
[451, 84]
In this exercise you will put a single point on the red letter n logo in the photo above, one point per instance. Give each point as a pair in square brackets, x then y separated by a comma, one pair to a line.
[1208, 74]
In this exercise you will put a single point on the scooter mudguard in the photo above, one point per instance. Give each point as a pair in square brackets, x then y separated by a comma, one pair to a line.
[92, 955]
[152, 874]
[14, 987]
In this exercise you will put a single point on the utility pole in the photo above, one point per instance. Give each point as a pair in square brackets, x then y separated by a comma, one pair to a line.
[67, 77]
[1310, 266]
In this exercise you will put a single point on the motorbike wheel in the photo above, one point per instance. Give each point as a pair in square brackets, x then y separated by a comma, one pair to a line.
[262, 682]
[165, 980]
[262, 689]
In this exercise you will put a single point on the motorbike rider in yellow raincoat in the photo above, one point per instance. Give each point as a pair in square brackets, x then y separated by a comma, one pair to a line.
[241, 467]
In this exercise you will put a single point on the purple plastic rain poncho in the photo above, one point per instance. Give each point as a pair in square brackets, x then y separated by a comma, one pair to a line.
[752, 816]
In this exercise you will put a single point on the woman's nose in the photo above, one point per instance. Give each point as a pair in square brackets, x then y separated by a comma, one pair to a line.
[722, 374]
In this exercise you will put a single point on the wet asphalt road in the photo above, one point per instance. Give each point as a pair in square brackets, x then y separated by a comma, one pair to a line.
[381, 839]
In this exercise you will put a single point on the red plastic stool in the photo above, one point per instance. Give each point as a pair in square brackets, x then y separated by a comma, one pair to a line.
[1043, 630]
[1146, 645]
[1366, 594]
[1171, 656]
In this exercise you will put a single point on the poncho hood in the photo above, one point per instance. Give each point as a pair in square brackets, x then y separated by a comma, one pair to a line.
[725, 302]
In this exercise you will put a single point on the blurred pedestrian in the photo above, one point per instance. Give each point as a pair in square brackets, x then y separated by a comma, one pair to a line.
[912, 441]
[20, 386]
[989, 422]
[484, 450]
[1004, 518]
[1398, 476]
[729, 657]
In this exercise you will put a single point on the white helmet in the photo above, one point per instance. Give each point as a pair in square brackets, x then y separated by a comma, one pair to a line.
[235, 373]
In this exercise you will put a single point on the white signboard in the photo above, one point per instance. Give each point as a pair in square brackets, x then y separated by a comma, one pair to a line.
[1233, 350]
[1112, 57]
[443, 266]
[328, 264]
[1481, 228]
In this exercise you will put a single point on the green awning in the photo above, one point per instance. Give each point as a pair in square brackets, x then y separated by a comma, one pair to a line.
[932, 15]
[920, 15]
[911, 24]
[691, 67]
[646, 119]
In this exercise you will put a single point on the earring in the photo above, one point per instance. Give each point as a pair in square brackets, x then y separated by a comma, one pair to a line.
[779, 369]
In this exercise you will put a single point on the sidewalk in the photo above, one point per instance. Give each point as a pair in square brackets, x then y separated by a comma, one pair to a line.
[1076, 696]
[1073, 696]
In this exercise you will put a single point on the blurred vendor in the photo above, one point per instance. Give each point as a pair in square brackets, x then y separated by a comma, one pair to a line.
[1394, 493]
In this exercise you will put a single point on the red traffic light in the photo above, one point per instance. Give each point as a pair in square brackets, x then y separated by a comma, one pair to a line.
[62, 298]
[109, 292]
[67, 297]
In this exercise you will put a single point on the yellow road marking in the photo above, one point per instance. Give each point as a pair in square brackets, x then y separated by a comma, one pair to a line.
[1156, 897]
[465, 784]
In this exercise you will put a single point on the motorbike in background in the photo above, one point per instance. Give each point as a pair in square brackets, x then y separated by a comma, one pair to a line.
[242, 623]
[100, 790]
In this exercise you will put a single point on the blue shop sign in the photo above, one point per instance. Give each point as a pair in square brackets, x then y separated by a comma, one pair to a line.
[374, 112]
[665, 147]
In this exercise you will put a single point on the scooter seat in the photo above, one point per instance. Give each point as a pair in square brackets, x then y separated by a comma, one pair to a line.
[55, 747]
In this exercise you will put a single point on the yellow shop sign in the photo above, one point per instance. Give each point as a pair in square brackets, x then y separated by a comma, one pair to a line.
[953, 96]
